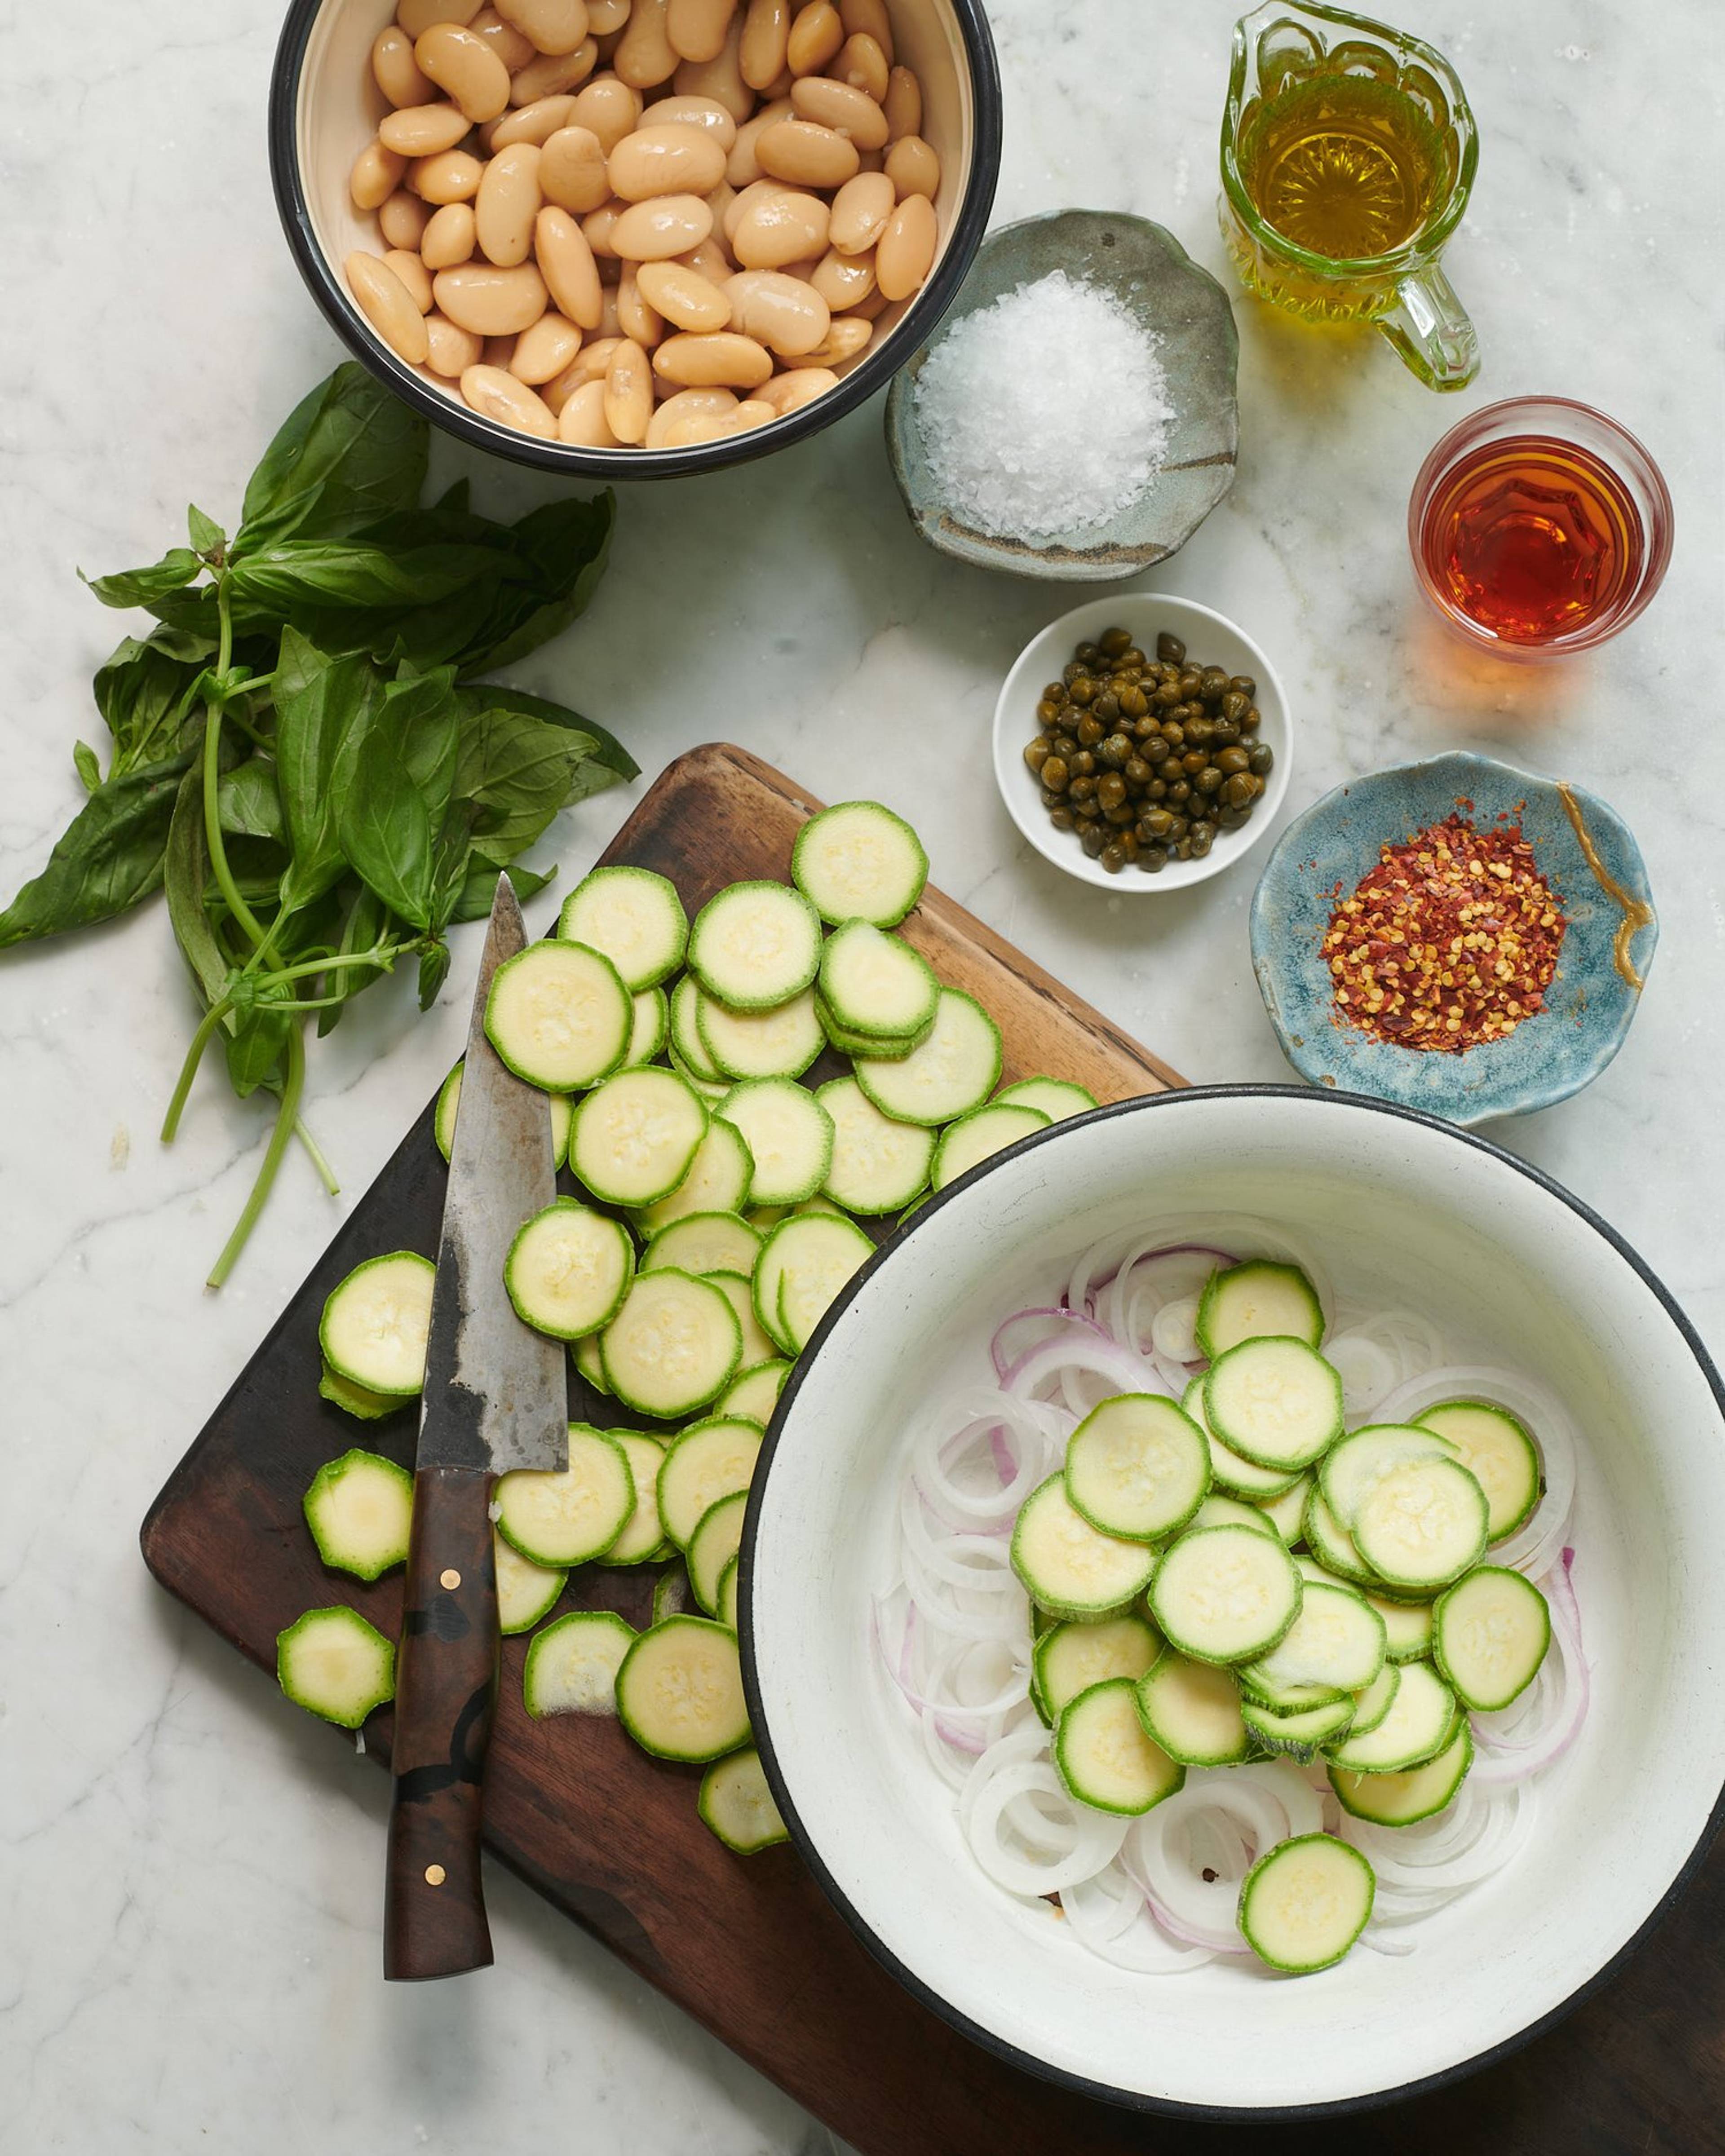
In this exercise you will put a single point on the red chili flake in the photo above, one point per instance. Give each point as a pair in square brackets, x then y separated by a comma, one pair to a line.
[1450, 940]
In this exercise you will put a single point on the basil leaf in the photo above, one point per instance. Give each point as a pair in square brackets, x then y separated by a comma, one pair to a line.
[142, 682]
[421, 711]
[249, 804]
[611, 760]
[186, 878]
[560, 551]
[142, 587]
[109, 856]
[278, 580]
[208, 537]
[256, 1045]
[480, 887]
[322, 705]
[386, 829]
[348, 454]
[87, 765]
[433, 972]
[368, 920]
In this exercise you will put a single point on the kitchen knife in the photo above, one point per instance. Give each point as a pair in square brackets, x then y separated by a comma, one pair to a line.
[495, 1398]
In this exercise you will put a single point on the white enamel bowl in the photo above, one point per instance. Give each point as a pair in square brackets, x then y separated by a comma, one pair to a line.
[1514, 1272]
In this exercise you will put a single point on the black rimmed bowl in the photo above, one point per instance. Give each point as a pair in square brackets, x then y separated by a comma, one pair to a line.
[1402, 1211]
[324, 108]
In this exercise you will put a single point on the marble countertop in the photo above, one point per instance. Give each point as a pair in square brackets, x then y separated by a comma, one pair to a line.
[190, 1872]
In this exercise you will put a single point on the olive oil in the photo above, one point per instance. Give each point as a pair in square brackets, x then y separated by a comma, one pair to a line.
[1346, 166]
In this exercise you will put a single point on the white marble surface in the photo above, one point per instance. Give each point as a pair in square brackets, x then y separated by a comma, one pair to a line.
[189, 1871]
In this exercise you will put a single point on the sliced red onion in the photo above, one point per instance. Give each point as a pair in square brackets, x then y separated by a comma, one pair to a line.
[1052, 1319]
[1099, 1355]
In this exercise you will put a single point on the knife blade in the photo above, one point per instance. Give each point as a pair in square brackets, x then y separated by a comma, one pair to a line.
[495, 1398]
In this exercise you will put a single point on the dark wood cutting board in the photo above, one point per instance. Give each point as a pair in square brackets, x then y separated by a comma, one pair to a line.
[751, 1947]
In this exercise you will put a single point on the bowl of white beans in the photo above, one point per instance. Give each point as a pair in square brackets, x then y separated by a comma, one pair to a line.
[635, 239]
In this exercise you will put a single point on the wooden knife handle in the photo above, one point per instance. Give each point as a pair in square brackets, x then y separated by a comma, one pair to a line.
[446, 1699]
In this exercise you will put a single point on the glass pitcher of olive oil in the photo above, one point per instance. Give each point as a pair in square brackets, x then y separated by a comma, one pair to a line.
[1347, 153]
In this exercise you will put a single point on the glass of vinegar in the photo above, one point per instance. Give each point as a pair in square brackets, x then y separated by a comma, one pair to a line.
[1347, 154]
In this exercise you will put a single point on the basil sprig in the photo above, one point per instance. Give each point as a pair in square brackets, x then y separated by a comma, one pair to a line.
[305, 759]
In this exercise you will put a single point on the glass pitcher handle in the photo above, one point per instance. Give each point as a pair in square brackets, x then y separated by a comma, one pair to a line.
[1429, 326]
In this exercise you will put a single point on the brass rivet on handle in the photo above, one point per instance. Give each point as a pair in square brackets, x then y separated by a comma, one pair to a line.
[449, 1576]
[435, 1875]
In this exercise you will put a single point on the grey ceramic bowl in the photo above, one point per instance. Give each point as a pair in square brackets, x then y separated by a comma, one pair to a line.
[1590, 1003]
[1147, 269]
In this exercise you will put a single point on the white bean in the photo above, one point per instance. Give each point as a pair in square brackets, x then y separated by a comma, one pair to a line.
[387, 305]
[499, 395]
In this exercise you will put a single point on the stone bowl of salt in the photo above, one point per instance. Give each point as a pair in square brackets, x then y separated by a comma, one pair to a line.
[1074, 418]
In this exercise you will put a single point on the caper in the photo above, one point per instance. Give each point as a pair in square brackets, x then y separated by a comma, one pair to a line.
[1036, 755]
[1173, 735]
[1111, 790]
[1194, 761]
[1054, 693]
[1158, 822]
[1225, 731]
[1063, 745]
[1177, 829]
[1069, 673]
[1145, 729]
[1114, 641]
[1183, 852]
[1169, 649]
[1261, 760]
[1212, 683]
[1229, 818]
[1081, 788]
[1231, 759]
[1056, 773]
[1157, 790]
[1083, 764]
[1082, 689]
[1201, 837]
[1105, 706]
[1180, 792]
[1117, 749]
[1113, 857]
[1087, 654]
[1133, 702]
[1245, 685]
[1137, 772]
[1191, 683]
[1201, 731]
[1250, 719]
[1209, 780]
[1167, 695]
[1170, 768]
[1240, 789]
[1132, 659]
[1121, 814]
[1090, 731]
[1061, 818]
[1234, 704]
[1047, 712]
[1051, 800]
[1093, 838]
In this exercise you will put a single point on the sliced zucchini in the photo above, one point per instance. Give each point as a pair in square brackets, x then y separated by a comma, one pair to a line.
[634, 917]
[711, 1090]
[883, 1047]
[757, 1347]
[1286, 1699]
[1330, 1543]
[376, 1322]
[1193, 1711]
[671, 1593]
[704, 1243]
[1407, 1626]
[977, 1136]
[1274, 1401]
[1239, 1477]
[568, 1269]
[1422, 1525]
[1373, 1703]
[568, 1518]
[1499, 1453]
[673, 1345]
[635, 1136]
[358, 1509]
[1056, 1097]
[332, 1663]
[1337, 1640]
[1138, 1467]
[729, 1580]
[642, 1535]
[857, 861]
[588, 1362]
[1417, 1727]
[1220, 1512]
[780, 1042]
[685, 1042]
[755, 1394]
[679, 1691]
[526, 1591]
[572, 1666]
[357, 1399]
[1256, 1299]
[803, 1265]
[1105, 1756]
[755, 944]
[1303, 1905]
[1286, 1511]
[706, 1462]
[1069, 1659]
[1403, 1800]
[649, 1030]
[716, 1540]
[559, 1016]
[1362, 1459]
[789, 1136]
[1489, 1636]
[1298, 1732]
[879, 1164]
[449, 1100]
[873, 983]
[1069, 1567]
[954, 1070]
[737, 1804]
[717, 1181]
[1225, 1594]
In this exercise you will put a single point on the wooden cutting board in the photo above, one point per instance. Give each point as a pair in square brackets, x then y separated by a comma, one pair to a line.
[750, 1947]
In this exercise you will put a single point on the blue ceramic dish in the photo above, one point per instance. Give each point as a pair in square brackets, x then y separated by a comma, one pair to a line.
[1590, 1003]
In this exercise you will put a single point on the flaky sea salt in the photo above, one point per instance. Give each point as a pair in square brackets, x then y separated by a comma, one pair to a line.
[1046, 412]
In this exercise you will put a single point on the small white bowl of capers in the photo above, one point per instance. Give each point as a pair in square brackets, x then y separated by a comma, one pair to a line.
[1141, 742]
